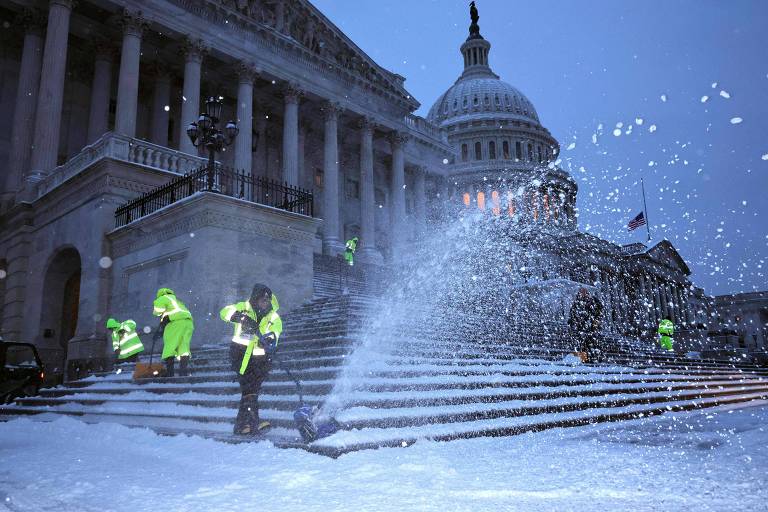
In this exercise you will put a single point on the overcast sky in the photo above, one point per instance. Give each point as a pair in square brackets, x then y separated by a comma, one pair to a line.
[588, 63]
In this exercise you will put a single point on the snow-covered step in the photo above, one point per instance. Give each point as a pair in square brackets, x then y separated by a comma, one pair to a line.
[351, 440]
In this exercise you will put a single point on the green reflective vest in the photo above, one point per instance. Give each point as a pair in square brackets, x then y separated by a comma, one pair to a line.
[270, 322]
[169, 306]
[666, 327]
[351, 245]
[128, 342]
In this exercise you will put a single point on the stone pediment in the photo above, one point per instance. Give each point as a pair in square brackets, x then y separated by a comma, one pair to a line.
[665, 254]
[305, 24]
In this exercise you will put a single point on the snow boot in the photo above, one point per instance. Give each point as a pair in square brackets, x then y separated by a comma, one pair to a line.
[184, 367]
[247, 421]
[169, 364]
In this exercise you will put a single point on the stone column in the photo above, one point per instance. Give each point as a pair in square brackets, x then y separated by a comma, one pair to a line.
[420, 198]
[331, 243]
[305, 180]
[246, 74]
[161, 100]
[368, 251]
[397, 205]
[193, 51]
[22, 128]
[292, 95]
[128, 82]
[98, 116]
[45, 147]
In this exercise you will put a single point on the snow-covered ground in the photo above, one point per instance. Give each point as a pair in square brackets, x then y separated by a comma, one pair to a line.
[714, 460]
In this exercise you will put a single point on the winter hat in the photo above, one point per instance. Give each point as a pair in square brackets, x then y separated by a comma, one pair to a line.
[260, 290]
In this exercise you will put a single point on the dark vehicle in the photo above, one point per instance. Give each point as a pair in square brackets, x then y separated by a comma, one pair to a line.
[21, 371]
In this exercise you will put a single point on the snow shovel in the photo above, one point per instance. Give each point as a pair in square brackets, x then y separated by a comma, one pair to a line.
[149, 370]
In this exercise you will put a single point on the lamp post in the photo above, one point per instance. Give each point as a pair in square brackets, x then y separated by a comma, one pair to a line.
[205, 132]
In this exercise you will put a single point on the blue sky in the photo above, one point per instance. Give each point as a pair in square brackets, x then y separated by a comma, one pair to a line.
[598, 62]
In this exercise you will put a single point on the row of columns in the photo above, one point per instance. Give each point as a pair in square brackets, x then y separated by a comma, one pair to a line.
[37, 120]
[546, 206]
[661, 299]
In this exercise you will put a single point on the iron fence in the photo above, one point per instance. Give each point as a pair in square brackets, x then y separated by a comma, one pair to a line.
[221, 180]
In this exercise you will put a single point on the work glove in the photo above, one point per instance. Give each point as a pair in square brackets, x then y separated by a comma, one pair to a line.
[121, 332]
[250, 326]
[269, 343]
[165, 321]
[237, 317]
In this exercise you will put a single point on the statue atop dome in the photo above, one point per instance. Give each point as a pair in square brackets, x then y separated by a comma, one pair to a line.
[474, 28]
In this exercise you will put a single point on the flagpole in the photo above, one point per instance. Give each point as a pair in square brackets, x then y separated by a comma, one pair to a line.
[645, 210]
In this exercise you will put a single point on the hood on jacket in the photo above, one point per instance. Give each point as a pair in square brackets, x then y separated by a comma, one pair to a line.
[164, 291]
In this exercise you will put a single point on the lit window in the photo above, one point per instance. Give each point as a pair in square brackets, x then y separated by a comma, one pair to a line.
[481, 200]
[466, 199]
[510, 203]
[496, 203]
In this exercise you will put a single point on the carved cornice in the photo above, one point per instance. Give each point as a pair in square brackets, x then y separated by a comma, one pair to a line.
[246, 72]
[193, 50]
[292, 93]
[367, 126]
[398, 139]
[299, 23]
[331, 110]
[132, 22]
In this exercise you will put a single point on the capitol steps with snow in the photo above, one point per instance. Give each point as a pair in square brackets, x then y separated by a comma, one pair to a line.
[427, 391]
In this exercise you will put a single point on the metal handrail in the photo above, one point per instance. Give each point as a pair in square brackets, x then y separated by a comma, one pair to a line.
[221, 180]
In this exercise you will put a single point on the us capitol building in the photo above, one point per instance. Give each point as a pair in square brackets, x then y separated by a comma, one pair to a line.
[96, 213]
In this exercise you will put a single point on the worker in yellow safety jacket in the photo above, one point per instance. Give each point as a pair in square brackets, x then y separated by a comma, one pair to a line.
[177, 325]
[125, 339]
[257, 330]
[666, 330]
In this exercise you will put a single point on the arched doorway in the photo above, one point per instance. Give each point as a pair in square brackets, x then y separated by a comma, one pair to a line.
[61, 299]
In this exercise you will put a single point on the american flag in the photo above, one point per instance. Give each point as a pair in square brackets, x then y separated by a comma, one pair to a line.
[636, 222]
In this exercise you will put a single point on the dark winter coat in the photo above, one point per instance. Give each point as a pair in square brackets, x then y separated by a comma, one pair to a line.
[585, 314]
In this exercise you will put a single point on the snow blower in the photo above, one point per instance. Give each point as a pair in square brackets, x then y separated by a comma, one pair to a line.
[307, 418]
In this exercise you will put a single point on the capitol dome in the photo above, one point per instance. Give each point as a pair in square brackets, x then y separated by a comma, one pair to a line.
[476, 97]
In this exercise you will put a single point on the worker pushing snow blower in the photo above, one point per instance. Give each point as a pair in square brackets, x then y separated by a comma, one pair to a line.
[252, 354]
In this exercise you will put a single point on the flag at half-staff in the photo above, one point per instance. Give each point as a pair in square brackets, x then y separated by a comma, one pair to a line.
[638, 221]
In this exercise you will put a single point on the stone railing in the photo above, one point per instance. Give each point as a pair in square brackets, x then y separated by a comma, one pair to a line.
[125, 149]
[424, 127]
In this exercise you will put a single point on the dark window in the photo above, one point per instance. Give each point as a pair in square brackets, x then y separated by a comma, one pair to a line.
[464, 153]
[475, 101]
[487, 100]
[381, 197]
[465, 102]
[518, 150]
[478, 151]
[505, 149]
[498, 101]
[492, 150]
[530, 152]
[353, 189]
[541, 159]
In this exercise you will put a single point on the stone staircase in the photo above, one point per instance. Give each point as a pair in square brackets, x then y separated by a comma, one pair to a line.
[420, 390]
[438, 383]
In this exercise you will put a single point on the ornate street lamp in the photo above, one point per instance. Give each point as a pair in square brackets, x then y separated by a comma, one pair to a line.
[205, 132]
